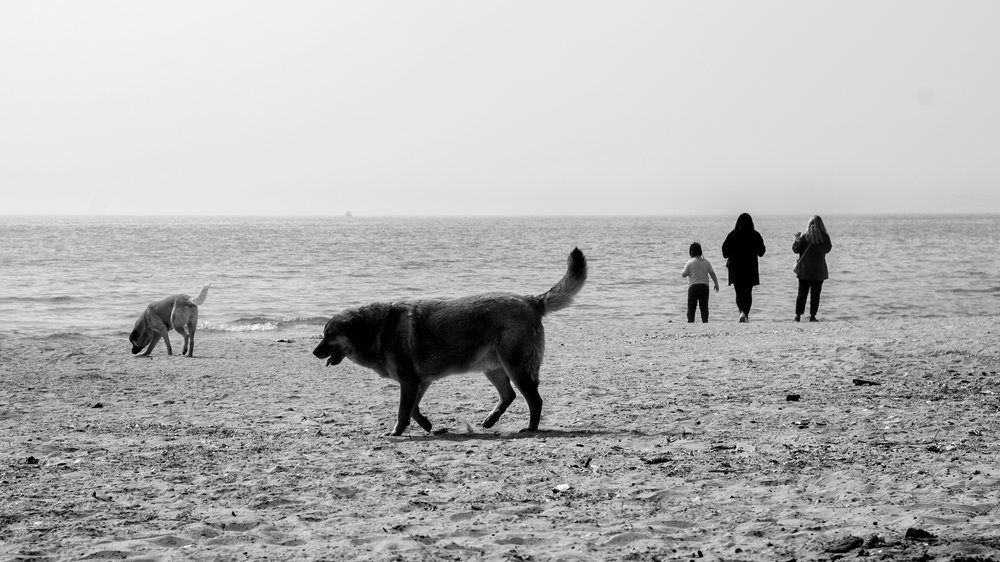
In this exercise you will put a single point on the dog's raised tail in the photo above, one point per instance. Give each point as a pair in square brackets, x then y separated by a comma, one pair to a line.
[561, 295]
[202, 295]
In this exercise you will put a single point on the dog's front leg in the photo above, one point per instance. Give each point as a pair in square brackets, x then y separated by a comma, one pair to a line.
[408, 390]
[152, 344]
[421, 419]
[166, 340]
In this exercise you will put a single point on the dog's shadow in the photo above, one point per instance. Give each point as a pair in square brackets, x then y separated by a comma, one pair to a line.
[498, 436]
[176, 355]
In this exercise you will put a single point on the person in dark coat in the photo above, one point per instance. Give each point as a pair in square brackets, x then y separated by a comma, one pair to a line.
[812, 248]
[741, 249]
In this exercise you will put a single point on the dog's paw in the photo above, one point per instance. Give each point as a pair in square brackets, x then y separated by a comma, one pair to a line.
[423, 422]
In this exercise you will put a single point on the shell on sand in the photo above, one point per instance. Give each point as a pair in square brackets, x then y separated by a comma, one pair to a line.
[662, 441]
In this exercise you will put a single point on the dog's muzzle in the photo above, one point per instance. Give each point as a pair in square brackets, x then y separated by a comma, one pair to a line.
[333, 356]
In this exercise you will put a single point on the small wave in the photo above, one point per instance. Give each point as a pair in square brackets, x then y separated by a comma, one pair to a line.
[986, 290]
[53, 299]
[637, 281]
[261, 324]
[61, 336]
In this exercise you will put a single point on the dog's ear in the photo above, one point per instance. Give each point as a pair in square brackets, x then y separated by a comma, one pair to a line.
[139, 336]
[141, 329]
[362, 325]
[354, 325]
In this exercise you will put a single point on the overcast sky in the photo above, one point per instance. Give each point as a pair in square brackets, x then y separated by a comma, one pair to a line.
[499, 108]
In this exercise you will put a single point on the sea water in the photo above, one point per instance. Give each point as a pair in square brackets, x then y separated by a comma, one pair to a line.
[92, 276]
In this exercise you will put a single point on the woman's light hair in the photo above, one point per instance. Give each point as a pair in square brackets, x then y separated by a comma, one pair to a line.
[816, 231]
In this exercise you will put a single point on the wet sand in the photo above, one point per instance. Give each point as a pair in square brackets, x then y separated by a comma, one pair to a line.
[666, 441]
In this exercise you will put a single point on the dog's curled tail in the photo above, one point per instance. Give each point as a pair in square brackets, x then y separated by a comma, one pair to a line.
[561, 295]
[202, 295]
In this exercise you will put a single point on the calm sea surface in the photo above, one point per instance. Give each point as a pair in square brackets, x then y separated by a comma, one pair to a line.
[92, 276]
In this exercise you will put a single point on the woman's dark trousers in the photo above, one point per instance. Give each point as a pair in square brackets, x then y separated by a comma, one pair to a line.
[812, 288]
[744, 298]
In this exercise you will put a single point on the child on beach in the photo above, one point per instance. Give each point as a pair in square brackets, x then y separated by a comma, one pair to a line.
[697, 270]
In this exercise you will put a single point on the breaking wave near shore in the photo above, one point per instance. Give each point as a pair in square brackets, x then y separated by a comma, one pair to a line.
[261, 324]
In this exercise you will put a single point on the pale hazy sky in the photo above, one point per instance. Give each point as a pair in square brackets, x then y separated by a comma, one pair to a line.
[510, 108]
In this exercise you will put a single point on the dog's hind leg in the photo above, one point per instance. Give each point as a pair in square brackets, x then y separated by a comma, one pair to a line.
[522, 361]
[182, 330]
[421, 419]
[529, 389]
[525, 378]
[499, 379]
[184, 319]
[192, 326]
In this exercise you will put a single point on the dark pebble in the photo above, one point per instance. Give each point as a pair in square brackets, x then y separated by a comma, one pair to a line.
[915, 534]
[846, 544]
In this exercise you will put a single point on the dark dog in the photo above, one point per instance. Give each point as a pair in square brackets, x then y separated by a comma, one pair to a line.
[417, 343]
[179, 312]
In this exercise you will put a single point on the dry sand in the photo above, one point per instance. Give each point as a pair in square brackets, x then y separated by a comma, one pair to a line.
[662, 442]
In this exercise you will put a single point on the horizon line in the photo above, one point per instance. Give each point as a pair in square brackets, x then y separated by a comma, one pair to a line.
[349, 215]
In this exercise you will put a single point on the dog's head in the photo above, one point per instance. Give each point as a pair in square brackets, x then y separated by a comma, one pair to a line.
[337, 342]
[140, 336]
[354, 334]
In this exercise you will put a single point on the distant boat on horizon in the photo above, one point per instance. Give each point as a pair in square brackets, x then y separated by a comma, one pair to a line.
[348, 214]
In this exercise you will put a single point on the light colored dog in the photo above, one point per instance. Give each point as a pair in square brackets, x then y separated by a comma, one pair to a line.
[177, 312]
[416, 343]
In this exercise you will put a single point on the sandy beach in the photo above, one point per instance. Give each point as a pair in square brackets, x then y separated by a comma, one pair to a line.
[763, 441]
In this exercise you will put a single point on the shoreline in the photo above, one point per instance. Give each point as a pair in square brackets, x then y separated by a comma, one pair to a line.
[722, 317]
[662, 440]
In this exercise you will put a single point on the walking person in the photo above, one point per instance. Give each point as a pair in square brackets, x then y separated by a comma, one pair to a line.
[812, 248]
[698, 270]
[741, 249]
